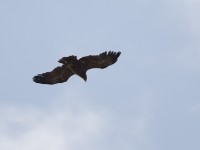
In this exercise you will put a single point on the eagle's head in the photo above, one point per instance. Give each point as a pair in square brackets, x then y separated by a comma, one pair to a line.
[67, 60]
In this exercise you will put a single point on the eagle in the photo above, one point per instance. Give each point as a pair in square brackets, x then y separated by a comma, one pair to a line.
[73, 66]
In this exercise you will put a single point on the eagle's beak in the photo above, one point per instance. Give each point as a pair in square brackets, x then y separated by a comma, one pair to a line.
[60, 61]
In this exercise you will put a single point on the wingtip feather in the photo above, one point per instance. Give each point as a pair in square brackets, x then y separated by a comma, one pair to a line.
[116, 54]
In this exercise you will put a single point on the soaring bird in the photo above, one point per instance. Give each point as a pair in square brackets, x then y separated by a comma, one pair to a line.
[71, 65]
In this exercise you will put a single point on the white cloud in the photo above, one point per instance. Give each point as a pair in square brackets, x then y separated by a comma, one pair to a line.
[75, 124]
[33, 128]
[193, 15]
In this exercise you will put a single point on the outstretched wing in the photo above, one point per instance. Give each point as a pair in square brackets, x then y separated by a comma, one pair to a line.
[102, 60]
[57, 75]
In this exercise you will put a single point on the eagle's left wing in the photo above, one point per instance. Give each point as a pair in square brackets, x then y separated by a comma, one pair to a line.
[57, 75]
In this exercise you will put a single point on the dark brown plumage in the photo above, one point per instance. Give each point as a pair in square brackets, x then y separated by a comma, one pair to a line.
[72, 65]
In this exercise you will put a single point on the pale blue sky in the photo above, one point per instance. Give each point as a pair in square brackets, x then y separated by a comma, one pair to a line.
[148, 100]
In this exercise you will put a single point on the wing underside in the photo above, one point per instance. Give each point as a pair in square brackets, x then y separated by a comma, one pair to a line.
[102, 60]
[57, 75]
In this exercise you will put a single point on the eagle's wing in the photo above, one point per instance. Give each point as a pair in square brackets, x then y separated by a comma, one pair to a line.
[102, 60]
[57, 75]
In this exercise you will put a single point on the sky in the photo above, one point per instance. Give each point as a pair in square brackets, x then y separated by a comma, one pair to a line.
[148, 100]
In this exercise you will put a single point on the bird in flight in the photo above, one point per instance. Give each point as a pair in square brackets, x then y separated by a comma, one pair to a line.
[71, 65]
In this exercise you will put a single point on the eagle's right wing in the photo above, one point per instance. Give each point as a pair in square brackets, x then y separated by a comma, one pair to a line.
[102, 60]
[57, 75]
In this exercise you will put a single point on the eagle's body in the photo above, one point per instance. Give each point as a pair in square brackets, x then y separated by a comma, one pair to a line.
[72, 65]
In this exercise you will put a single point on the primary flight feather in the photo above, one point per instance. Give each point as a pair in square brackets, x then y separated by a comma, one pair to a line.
[71, 65]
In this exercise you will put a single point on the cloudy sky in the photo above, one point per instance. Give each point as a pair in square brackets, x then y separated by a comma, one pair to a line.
[148, 100]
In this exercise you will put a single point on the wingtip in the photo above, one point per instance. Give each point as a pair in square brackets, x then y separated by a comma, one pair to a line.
[33, 79]
[36, 79]
[118, 54]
